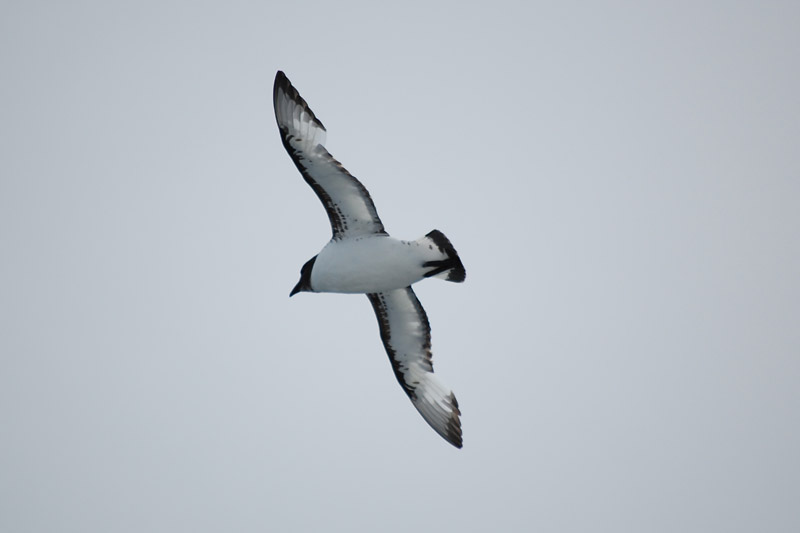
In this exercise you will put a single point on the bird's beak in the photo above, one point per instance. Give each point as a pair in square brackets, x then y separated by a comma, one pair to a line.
[296, 289]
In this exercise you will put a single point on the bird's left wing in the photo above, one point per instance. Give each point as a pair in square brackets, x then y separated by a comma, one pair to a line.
[406, 335]
[348, 203]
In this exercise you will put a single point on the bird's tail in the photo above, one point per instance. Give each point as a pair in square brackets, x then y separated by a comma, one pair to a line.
[450, 268]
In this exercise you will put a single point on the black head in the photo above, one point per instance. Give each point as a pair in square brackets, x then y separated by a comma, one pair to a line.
[304, 285]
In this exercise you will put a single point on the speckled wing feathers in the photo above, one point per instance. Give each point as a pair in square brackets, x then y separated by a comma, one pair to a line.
[406, 335]
[347, 202]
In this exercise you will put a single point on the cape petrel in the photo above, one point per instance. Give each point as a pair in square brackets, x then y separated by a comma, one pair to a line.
[361, 257]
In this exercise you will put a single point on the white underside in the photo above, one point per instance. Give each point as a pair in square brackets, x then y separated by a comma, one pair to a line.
[373, 263]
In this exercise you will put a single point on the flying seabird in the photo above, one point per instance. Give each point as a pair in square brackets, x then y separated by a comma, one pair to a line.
[361, 257]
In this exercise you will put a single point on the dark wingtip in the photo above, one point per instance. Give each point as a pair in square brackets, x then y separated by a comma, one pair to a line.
[282, 83]
[454, 424]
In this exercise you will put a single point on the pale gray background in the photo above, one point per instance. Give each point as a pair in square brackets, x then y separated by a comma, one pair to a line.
[621, 179]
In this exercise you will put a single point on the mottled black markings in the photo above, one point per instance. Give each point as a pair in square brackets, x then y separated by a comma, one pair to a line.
[452, 432]
[336, 216]
[378, 302]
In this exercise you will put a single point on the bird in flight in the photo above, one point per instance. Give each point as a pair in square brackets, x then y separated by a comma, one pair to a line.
[362, 258]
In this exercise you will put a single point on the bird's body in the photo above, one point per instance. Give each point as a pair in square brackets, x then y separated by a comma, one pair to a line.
[361, 257]
[373, 263]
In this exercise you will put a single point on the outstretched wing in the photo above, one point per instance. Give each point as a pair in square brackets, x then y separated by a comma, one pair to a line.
[347, 201]
[406, 334]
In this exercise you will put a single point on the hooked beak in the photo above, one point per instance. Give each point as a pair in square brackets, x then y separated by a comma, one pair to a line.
[296, 289]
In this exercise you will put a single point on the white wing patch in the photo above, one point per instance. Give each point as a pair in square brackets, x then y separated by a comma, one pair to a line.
[347, 202]
[406, 335]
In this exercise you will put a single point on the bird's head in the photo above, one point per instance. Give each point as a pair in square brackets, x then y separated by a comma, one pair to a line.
[304, 285]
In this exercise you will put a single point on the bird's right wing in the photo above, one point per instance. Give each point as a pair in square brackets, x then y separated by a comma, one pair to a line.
[406, 335]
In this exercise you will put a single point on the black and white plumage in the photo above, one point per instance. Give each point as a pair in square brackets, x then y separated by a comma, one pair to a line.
[361, 257]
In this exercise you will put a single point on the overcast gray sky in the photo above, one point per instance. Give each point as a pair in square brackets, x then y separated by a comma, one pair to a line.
[621, 180]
